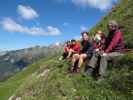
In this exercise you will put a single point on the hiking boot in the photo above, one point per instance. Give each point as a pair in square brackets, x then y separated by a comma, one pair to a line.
[89, 71]
[71, 69]
[77, 70]
[100, 79]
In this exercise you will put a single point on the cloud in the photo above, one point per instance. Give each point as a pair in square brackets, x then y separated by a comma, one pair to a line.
[11, 26]
[83, 28]
[27, 12]
[53, 30]
[99, 4]
[57, 43]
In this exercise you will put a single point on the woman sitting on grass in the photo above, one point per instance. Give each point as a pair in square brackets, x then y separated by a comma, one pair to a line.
[99, 41]
[86, 52]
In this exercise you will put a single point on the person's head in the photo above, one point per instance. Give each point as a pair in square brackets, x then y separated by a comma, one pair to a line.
[99, 32]
[113, 25]
[73, 41]
[68, 43]
[85, 36]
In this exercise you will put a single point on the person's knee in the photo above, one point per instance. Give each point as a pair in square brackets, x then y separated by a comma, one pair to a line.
[82, 56]
[76, 56]
[70, 50]
[104, 57]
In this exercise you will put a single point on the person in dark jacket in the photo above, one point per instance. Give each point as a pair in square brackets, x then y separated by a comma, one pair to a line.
[114, 48]
[86, 52]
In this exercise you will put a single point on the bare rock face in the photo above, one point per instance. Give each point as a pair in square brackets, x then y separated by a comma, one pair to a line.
[43, 73]
[14, 98]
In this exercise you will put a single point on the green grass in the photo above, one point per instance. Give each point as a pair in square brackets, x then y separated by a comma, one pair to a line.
[8, 87]
[57, 84]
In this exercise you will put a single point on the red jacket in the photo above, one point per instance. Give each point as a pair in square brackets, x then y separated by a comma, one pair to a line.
[66, 48]
[116, 43]
[76, 47]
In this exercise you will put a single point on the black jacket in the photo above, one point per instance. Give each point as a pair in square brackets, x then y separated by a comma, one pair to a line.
[87, 47]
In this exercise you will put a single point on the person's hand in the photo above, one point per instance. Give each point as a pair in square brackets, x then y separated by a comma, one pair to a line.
[104, 54]
[96, 50]
[101, 52]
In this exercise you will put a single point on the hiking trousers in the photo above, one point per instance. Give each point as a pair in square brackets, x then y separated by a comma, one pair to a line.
[103, 61]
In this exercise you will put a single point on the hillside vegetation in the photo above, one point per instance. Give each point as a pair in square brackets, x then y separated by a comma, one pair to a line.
[52, 82]
[9, 86]
[48, 79]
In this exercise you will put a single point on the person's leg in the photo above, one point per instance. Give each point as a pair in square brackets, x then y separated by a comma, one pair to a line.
[79, 62]
[75, 57]
[70, 53]
[93, 61]
[65, 54]
[89, 68]
[103, 65]
[81, 59]
[104, 62]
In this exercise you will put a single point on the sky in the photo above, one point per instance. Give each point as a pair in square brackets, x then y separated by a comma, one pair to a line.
[26, 23]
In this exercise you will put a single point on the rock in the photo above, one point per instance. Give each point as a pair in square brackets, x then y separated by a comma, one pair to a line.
[14, 98]
[43, 73]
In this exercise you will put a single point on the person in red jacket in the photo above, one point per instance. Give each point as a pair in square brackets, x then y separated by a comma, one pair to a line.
[114, 47]
[74, 48]
[65, 50]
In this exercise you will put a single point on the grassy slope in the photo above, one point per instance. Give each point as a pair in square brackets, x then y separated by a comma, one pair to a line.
[8, 87]
[56, 84]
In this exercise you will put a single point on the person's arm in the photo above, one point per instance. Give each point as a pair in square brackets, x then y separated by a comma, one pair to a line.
[70, 53]
[94, 44]
[102, 44]
[65, 49]
[77, 49]
[113, 42]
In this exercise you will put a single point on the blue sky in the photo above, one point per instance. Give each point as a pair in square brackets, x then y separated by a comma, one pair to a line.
[26, 23]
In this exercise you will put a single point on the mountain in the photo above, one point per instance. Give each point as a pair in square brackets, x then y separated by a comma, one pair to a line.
[14, 61]
[47, 78]
[2, 52]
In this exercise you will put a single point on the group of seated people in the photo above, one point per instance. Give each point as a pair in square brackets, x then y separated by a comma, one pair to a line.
[94, 49]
